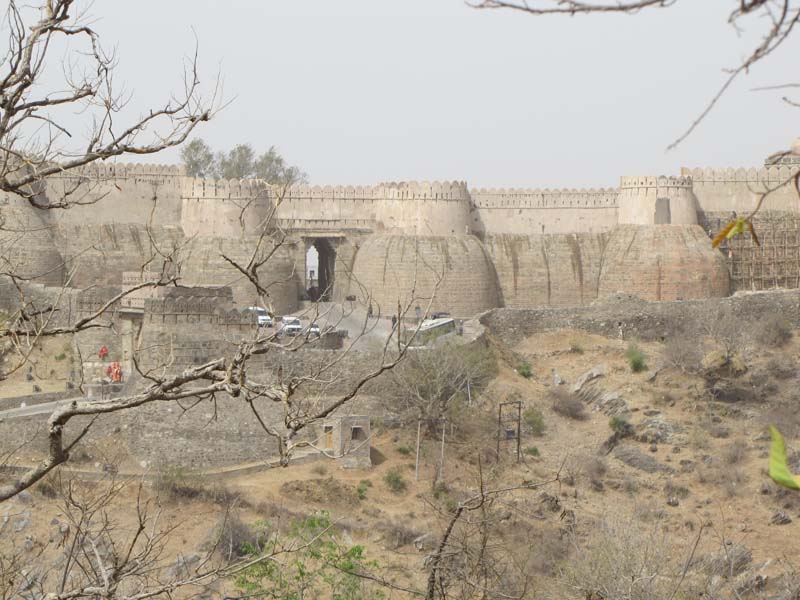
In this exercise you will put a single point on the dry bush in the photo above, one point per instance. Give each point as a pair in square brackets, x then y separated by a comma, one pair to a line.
[735, 452]
[674, 490]
[396, 535]
[595, 468]
[566, 404]
[232, 536]
[773, 331]
[782, 366]
[174, 483]
[621, 560]
[733, 480]
[684, 353]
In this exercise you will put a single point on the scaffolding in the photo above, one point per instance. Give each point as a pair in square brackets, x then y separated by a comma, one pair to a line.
[773, 264]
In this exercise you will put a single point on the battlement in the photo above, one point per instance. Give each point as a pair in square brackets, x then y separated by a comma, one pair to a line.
[110, 170]
[544, 198]
[661, 181]
[768, 175]
[192, 187]
[423, 190]
[195, 308]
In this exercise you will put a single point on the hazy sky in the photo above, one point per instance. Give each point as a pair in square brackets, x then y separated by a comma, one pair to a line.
[361, 91]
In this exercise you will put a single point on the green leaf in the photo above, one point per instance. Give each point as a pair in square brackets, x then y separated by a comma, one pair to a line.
[778, 469]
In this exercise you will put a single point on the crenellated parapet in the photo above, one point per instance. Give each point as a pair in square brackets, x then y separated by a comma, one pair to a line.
[657, 200]
[661, 181]
[726, 190]
[406, 190]
[192, 309]
[764, 175]
[544, 198]
[103, 170]
[193, 187]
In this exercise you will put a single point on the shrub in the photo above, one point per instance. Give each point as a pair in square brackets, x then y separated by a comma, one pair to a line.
[362, 488]
[533, 419]
[525, 370]
[773, 330]
[404, 449]
[684, 353]
[47, 488]
[735, 452]
[172, 483]
[575, 347]
[235, 538]
[635, 359]
[61, 356]
[394, 481]
[532, 451]
[782, 367]
[595, 468]
[567, 405]
[619, 425]
[319, 469]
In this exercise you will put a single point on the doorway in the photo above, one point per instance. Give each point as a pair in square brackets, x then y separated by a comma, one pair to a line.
[320, 269]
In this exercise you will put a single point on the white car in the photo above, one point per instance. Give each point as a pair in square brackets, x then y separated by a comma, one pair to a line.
[264, 320]
[314, 330]
[291, 326]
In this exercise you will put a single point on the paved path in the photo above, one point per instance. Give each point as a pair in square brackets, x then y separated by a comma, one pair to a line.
[36, 409]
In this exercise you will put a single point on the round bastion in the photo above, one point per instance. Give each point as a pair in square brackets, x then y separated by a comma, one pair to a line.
[663, 262]
[656, 201]
[205, 266]
[27, 247]
[456, 271]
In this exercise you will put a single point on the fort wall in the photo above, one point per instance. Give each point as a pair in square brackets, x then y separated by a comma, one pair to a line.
[105, 193]
[421, 208]
[547, 270]
[524, 211]
[223, 208]
[726, 190]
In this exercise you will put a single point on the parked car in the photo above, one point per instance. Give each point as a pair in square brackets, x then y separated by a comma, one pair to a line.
[290, 326]
[262, 316]
[314, 330]
[440, 315]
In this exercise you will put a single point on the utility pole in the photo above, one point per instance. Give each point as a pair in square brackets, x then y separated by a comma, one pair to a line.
[416, 464]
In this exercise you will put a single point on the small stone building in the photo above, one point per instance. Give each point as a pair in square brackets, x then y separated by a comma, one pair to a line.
[346, 438]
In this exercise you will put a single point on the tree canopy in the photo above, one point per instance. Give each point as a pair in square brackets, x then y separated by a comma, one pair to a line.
[240, 162]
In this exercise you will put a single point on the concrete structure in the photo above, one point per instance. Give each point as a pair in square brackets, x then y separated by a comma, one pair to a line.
[477, 249]
[346, 438]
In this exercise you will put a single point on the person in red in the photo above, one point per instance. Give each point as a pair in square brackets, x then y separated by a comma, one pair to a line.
[116, 373]
[103, 352]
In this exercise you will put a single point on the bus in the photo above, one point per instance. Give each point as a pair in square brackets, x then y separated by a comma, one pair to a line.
[429, 330]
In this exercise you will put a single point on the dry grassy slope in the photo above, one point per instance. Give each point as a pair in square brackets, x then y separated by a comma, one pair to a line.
[733, 493]
[49, 373]
[740, 512]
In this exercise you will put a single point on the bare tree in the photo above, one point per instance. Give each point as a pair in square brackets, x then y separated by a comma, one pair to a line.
[35, 136]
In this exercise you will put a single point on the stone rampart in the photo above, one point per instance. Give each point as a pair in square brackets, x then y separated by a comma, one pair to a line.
[535, 211]
[659, 200]
[454, 271]
[424, 208]
[727, 190]
[224, 208]
[641, 319]
[104, 193]
[547, 270]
